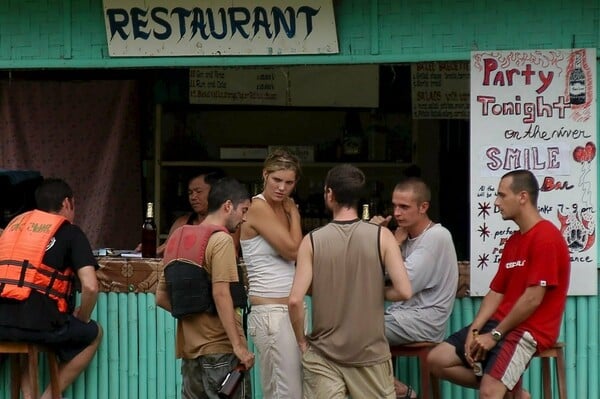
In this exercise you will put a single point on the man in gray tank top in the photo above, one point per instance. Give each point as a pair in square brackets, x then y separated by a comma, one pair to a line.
[343, 263]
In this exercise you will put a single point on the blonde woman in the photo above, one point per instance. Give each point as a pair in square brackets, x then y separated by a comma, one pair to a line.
[269, 240]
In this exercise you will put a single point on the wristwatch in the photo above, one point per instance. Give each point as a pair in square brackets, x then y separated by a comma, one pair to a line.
[497, 335]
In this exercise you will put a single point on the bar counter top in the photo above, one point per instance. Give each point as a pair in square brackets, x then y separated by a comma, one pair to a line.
[122, 274]
[139, 275]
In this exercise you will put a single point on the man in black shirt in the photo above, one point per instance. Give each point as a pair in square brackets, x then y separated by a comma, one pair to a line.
[38, 306]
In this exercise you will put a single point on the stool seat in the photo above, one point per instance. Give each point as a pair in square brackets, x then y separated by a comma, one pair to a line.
[420, 350]
[16, 349]
[555, 352]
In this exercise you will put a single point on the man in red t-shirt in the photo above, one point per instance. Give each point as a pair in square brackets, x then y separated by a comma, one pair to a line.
[522, 312]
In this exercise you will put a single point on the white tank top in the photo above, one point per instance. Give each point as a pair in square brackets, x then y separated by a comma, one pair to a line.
[269, 274]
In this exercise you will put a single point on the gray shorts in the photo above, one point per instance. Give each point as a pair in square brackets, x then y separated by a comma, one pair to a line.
[202, 377]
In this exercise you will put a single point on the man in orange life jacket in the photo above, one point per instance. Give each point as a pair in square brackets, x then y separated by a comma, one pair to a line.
[209, 343]
[41, 251]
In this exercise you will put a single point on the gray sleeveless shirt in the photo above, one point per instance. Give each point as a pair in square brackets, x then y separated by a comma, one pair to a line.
[348, 294]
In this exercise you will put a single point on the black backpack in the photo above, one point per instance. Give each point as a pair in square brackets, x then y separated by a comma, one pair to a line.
[189, 287]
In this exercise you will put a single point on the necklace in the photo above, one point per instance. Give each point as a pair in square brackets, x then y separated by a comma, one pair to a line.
[421, 233]
[412, 243]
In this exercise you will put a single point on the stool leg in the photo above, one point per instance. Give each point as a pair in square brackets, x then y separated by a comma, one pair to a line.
[546, 381]
[435, 384]
[561, 374]
[424, 376]
[15, 376]
[33, 370]
[53, 366]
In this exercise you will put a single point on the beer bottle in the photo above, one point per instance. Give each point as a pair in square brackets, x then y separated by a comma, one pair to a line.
[149, 233]
[365, 213]
[477, 366]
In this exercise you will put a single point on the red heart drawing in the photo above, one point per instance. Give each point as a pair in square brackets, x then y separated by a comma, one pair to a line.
[578, 154]
[590, 149]
[585, 154]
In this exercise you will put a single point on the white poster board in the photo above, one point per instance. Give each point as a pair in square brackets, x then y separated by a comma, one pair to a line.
[158, 28]
[535, 110]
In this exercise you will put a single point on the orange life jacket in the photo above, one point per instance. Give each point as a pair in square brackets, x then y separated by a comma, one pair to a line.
[22, 248]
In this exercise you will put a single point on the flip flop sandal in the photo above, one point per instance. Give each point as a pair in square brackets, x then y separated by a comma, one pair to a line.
[408, 394]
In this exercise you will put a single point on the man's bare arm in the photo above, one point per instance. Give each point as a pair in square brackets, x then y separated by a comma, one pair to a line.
[300, 286]
[89, 292]
[392, 259]
[226, 311]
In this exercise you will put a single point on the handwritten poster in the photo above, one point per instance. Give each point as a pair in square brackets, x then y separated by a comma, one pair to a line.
[440, 90]
[535, 110]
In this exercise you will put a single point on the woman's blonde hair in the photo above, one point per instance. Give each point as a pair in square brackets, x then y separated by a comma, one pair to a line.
[282, 159]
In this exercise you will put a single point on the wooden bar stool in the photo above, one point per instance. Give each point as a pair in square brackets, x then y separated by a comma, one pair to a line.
[420, 350]
[556, 352]
[14, 350]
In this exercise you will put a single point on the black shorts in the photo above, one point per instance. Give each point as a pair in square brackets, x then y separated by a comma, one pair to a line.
[67, 341]
[459, 338]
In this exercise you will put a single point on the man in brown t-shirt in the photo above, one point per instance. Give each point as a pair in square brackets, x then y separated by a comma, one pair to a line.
[343, 263]
[211, 344]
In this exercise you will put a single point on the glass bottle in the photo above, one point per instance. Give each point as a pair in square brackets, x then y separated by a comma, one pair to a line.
[477, 366]
[231, 383]
[149, 233]
[365, 213]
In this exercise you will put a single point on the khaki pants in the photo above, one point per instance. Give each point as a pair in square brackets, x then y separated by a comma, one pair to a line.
[324, 379]
[278, 353]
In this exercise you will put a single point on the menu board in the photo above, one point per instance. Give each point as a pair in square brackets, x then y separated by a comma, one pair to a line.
[297, 86]
[440, 90]
[535, 110]
[237, 85]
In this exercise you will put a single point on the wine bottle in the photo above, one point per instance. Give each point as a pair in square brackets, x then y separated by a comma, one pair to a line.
[149, 233]
[577, 83]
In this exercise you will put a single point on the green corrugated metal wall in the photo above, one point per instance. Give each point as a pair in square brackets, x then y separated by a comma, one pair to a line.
[136, 357]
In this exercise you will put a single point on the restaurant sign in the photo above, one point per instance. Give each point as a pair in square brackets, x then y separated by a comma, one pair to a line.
[155, 28]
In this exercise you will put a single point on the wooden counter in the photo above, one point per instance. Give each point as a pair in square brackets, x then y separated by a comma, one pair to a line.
[120, 274]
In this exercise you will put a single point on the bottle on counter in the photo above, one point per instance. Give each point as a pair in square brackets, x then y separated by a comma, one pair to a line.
[149, 233]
